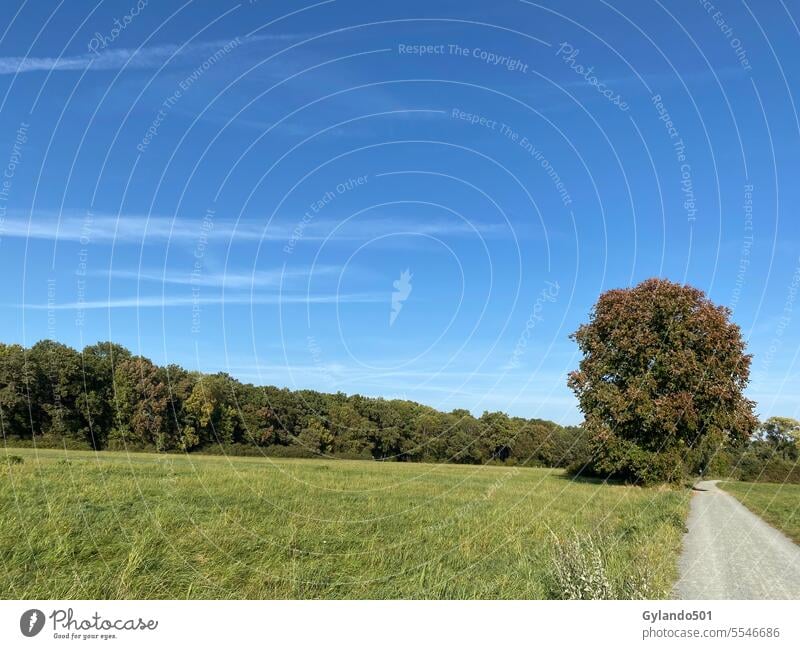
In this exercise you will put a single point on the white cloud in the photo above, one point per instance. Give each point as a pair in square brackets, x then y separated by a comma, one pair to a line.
[168, 301]
[73, 225]
[116, 58]
[228, 279]
[104, 228]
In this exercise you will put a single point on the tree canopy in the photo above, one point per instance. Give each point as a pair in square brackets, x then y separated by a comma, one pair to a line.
[661, 381]
[782, 435]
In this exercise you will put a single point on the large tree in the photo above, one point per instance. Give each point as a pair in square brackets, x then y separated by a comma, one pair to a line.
[661, 381]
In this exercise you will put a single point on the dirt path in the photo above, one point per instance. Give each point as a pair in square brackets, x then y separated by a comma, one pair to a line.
[730, 553]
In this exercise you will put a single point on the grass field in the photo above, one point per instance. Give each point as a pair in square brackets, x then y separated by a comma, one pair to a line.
[110, 525]
[777, 504]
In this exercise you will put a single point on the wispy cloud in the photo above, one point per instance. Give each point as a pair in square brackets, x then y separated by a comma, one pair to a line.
[115, 58]
[88, 227]
[75, 225]
[228, 279]
[170, 301]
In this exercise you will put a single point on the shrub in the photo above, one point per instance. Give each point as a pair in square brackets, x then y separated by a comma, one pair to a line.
[50, 441]
[353, 455]
[621, 459]
[119, 444]
[276, 450]
[755, 469]
[247, 450]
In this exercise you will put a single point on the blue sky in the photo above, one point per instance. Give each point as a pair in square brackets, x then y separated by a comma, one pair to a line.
[242, 186]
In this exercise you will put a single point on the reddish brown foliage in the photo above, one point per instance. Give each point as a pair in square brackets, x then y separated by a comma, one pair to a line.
[663, 373]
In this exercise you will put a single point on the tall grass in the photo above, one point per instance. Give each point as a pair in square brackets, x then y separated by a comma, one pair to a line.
[84, 525]
[592, 567]
[778, 504]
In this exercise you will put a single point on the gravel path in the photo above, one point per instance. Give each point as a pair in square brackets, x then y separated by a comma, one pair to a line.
[730, 553]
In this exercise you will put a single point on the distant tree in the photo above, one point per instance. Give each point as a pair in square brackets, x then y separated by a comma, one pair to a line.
[573, 444]
[209, 414]
[257, 416]
[425, 436]
[142, 404]
[388, 421]
[16, 377]
[496, 436]
[179, 383]
[542, 443]
[98, 377]
[315, 437]
[462, 443]
[783, 436]
[351, 432]
[661, 381]
[284, 413]
[58, 397]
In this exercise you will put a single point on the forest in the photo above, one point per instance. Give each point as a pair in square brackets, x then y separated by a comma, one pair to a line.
[105, 397]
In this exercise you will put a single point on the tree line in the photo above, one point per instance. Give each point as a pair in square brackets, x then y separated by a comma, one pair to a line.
[107, 398]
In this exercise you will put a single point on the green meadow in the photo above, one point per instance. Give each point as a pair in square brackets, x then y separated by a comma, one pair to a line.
[103, 525]
[778, 504]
